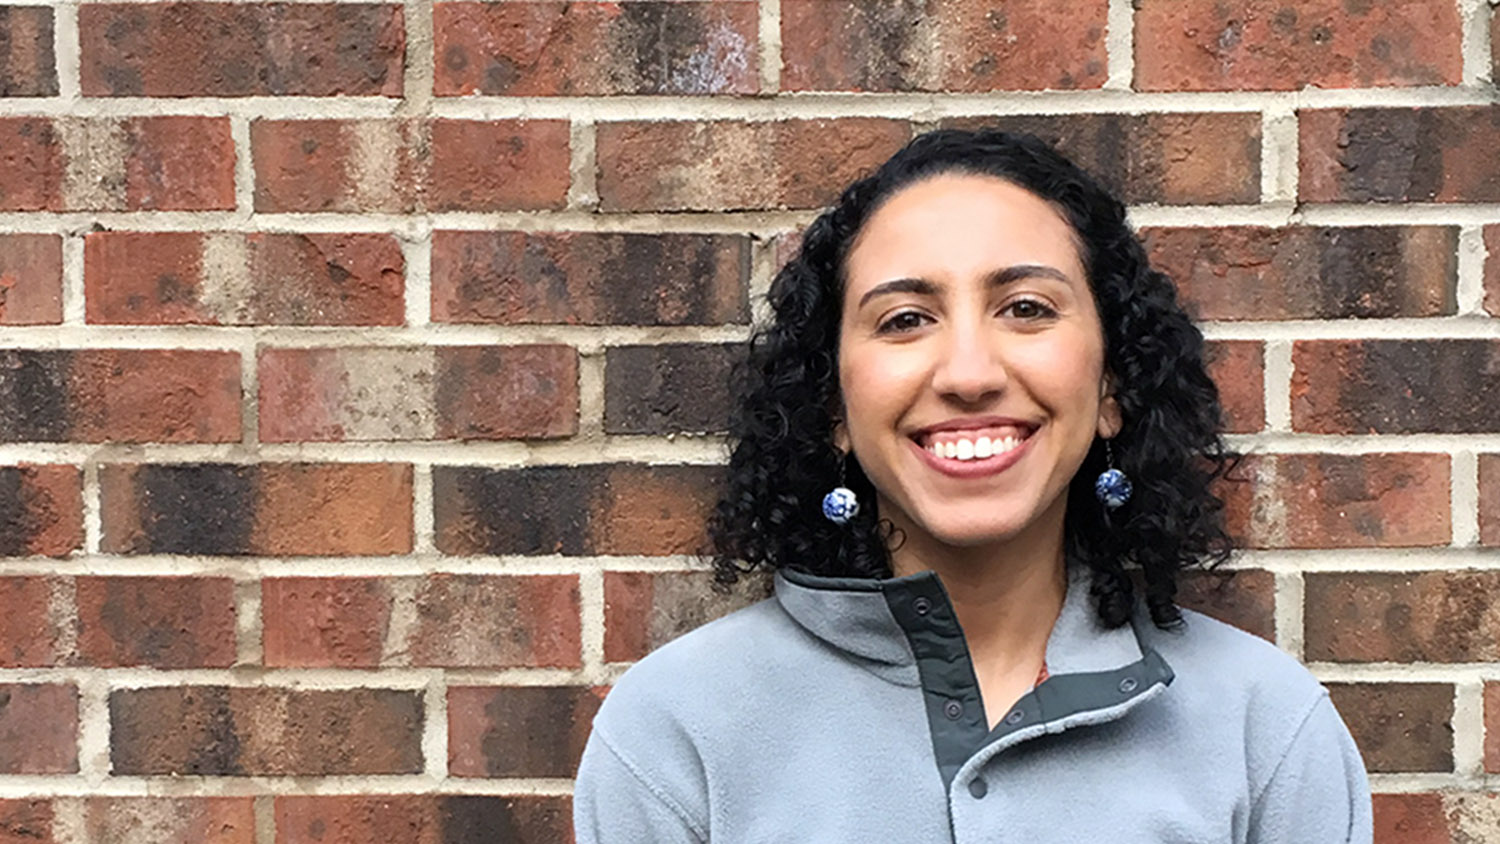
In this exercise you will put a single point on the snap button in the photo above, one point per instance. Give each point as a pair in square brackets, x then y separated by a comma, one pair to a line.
[953, 709]
[1015, 716]
[922, 606]
[978, 788]
[1128, 685]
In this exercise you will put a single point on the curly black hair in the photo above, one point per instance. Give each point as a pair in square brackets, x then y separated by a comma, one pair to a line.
[781, 426]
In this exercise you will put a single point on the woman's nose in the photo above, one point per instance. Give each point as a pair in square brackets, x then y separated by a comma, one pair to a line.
[970, 366]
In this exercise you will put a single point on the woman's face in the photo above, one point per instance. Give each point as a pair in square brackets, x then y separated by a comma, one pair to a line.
[969, 329]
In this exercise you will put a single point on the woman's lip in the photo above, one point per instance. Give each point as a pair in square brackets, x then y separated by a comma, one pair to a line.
[979, 466]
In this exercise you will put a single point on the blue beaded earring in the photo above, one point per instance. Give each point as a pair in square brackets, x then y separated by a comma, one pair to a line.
[840, 505]
[1113, 487]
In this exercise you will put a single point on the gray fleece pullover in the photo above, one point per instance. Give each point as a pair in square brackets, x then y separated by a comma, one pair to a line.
[847, 710]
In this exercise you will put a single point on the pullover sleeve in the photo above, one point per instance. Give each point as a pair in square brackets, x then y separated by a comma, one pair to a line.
[1318, 792]
[613, 803]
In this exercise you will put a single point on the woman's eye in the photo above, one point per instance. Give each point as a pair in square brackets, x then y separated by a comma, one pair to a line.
[1030, 309]
[904, 321]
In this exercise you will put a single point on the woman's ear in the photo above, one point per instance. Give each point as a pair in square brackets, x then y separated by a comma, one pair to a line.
[841, 435]
[1110, 418]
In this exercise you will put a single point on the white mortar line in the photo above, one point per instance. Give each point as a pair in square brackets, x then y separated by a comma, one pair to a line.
[1119, 44]
[583, 189]
[249, 350]
[265, 819]
[1403, 672]
[763, 269]
[74, 301]
[1278, 378]
[394, 678]
[244, 168]
[1289, 613]
[415, 566]
[93, 726]
[1468, 728]
[770, 46]
[1465, 499]
[249, 649]
[1280, 443]
[591, 606]
[93, 520]
[417, 78]
[416, 252]
[424, 535]
[1423, 783]
[1278, 163]
[68, 55]
[435, 728]
[1471, 255]
[269, 787]
[591, 375]
[1433, 328]
[1475, 15]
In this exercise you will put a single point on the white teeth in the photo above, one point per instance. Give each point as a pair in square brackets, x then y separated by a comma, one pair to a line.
[976, 449]
[965, 450]
[983, 448]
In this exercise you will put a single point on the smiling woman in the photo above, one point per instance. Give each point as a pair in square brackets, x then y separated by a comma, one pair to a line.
[957, 648]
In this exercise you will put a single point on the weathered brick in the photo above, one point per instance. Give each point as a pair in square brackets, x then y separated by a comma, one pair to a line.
[519, 731]
[1395, 386]
[29, 630]
[457, 621]
[1492, 727]
[264, 731]
[28, 66]
[589, 278]
[1168, 159]
[236, 278]
[1436, 616]
[26, 821]
[170, 820]
[41, 510]
[668, 388]
[846, 45]
[264, 509]
[1492, 265]
[645, 610]
[171, 162]
[733, 165]
[1399, 727]
[1447, 817]
[1489, 499]
[423, 819]
[1245, 598]
[425, 393]
[1255, 272]
[30, 271]
[580, 49]
[194, 49]
[408, 165]
[163, 622]
[1399, 154]
[31, 165]
[119, 395]
[1270, 44]
[38, 729]
[1238, 368]
[1339, 500]
[622, 508]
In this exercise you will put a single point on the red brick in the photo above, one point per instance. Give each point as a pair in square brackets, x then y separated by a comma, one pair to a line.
[1433, 616]
[232, 278]
[28, 67]
[1245, 598]
[1238, 367]
[1395, 386]
[41, 510]
[264, 731]
[645, 610]
[26, 821]
[28, 631]
[1489, 499]
[577, 49]
[1492, 265]
[171, 820]
[30, 270]
[1492, 727]
[459, 621]
[1253, 272]
[1400, 154]
[589, 278]
[230, 50]
[38, 729]
[441, 392]
[168, 163]
[525, 731]
[1339, 501]
[1269, 44]
[846, 45]
[31, 165]
[733, 165]
[423, 819]
[1399, 727]
[262, 509]
[1410, 819]
[163, 622]
[405, 166]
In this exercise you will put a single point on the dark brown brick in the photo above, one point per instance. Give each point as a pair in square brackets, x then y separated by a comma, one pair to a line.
[29, 631]
[30, 270]
[264, 731]
[1399, 727]
[645, 610]
[1492, 265]
[163, 622]
[1492, 727]
[231, 50]
[1269, 44]
[26, 821]
[592, 509]
[520, 731]
[1395, 386]
[38, 729]
[1254, 272]
[589, 278]
[233, 278]
[31, 165]
[41, 510]
[170, 820]
[1400, 154]
[119, 395]
[263, 509]
[1238, 368]
[1168, 159]
[28, 66]
[846, 45]
[1437, 616]
[1489, 499]
[733, 165]
[579, 49]
[1339, 500]
[423, 819]
[1245, 598]
[668, 388]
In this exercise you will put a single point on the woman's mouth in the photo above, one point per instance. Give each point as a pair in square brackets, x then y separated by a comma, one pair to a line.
[966, 454]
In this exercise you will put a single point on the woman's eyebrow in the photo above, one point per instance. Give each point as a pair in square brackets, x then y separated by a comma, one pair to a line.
[998, 278]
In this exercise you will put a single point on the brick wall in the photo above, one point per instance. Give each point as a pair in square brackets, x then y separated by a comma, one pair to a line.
[362, 366]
